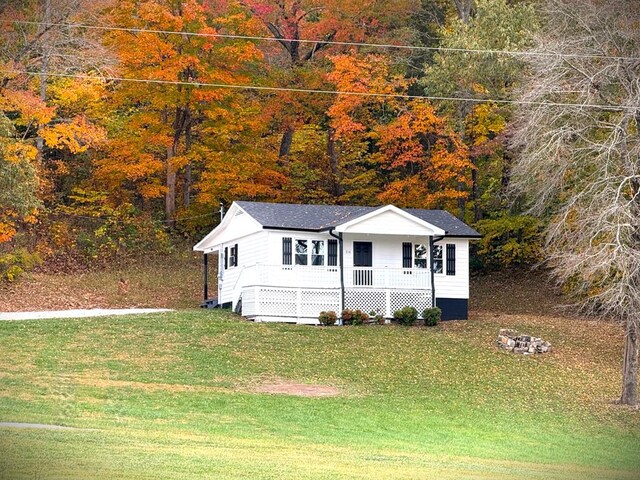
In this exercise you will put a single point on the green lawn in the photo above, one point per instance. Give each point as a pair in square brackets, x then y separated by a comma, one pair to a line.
[174, 396]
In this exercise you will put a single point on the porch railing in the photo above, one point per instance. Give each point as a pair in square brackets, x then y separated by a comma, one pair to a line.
[329, 277]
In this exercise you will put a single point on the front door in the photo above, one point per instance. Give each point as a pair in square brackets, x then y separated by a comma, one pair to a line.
[362, 257]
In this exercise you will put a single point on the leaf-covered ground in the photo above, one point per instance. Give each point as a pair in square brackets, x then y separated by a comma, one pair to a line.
[179, 395]
[174, 281]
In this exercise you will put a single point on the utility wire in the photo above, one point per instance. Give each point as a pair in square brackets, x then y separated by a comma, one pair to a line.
[103, 219]
[329, 42]
[325, 92]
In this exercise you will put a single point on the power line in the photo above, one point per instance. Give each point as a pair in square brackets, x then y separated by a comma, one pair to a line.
[325, 92]
[103, 219]
[330, 42]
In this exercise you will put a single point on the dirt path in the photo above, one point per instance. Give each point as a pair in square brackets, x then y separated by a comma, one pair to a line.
[94, 312]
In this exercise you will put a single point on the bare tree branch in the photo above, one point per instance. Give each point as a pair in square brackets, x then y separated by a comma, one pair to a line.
[581, 167]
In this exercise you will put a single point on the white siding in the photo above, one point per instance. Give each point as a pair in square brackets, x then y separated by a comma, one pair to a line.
[388, 221]
[387, 253]
[265, 248]
[236, 224]
[274, 256]
[240, 226]
[251, 250]
[387, 249]
[454, 286]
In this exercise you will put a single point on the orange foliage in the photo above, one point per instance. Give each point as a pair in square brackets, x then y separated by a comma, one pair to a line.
[31, 109]
[154, 140]
[7, 231]
[77, 135]
[424, 162]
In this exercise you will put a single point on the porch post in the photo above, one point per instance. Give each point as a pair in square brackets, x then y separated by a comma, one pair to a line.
[205, 264]
[341, 272]
[341, 261]
[433, 283]
[433, 240]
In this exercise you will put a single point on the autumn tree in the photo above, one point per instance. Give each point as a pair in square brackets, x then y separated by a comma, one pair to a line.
[35, 130]
[493, 25]
[303, 30]
[421, 160]
[580, 164]
[18, 175]
[162, 113]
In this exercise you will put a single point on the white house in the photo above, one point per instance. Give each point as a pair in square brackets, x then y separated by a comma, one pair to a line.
[287, 263]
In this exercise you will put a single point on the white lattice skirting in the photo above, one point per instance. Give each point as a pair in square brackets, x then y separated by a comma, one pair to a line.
[303, 305]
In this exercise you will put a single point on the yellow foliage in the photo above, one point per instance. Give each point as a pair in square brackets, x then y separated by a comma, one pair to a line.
[77, 136]
[485, 122]
[17, 151]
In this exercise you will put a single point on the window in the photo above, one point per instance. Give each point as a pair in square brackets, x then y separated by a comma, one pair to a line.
[317, 252]
[286, 251]
[233, 256]
[420, 256]
[332, 258]
[437, 258]
[451, 259]
[301, 252]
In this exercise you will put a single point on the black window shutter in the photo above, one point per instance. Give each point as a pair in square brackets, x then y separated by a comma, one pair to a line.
[226, 257]
[406, 254]
[235, 261]
[286, 251]
[332, 259]
[451, 259]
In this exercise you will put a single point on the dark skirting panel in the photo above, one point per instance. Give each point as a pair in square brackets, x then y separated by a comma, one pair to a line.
[453, 308]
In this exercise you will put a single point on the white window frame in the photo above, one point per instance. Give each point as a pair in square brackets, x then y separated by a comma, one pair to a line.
[425, 258]
[309, 254]
[323, 254]
[296, 254]
[442, 259]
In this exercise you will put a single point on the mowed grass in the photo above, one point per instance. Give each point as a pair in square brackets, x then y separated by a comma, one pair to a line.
[175, 396]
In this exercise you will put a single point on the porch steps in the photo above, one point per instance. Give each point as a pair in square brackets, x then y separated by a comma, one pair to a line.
[210, 303]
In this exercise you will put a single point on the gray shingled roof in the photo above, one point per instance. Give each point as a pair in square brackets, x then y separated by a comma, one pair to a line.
[322, 217]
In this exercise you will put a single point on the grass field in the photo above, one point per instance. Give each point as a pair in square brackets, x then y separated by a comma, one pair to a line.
[181, 395]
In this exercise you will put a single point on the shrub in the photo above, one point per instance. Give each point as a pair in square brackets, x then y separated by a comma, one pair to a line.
[359, 317]
[379, 319]
[432, 316]
[328, 318]
[406, 316]
[347, 316]
[13, 265]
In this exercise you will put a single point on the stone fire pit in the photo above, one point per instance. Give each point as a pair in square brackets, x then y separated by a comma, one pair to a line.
[512, 341]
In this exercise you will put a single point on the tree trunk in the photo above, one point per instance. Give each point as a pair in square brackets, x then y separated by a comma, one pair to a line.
[44, 69]
[170, 195]
[630, 364]
[464, 9]
[505, 178]
[475, 194]
[188, 173]
[188, 179]
[462, 202]
[332, 153]
[285, 144]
